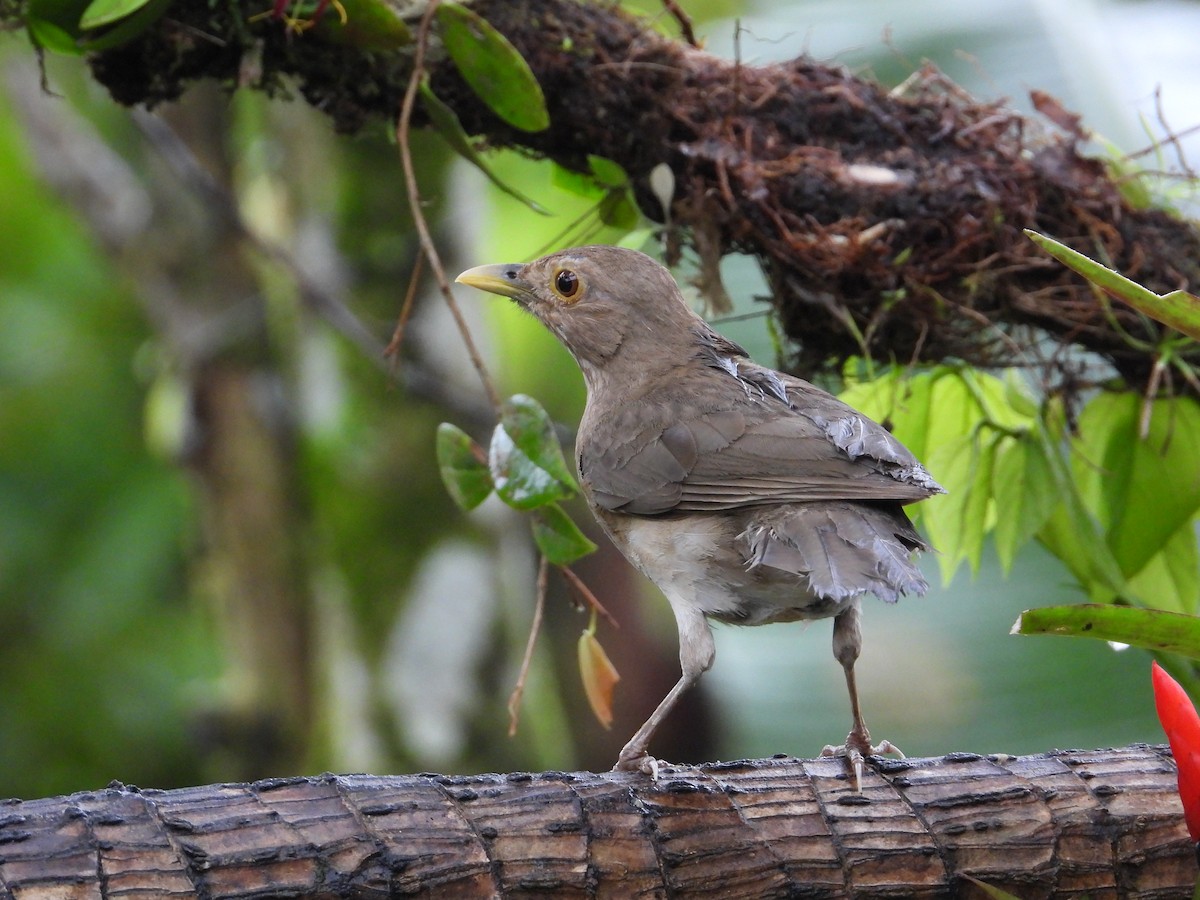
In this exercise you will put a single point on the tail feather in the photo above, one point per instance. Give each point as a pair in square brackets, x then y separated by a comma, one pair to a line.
[840, 549]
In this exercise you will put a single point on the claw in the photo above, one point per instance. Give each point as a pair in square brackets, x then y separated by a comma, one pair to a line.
[853, 752]
[644, 763]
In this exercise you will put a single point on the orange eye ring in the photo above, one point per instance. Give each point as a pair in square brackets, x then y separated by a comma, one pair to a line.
[566, 284]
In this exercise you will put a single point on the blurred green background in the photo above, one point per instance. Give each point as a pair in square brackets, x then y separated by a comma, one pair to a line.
[225, 551]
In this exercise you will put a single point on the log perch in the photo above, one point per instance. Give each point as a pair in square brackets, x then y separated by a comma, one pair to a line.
[1104, 824]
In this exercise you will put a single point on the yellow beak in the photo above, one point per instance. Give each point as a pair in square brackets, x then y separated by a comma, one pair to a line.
[501, 279]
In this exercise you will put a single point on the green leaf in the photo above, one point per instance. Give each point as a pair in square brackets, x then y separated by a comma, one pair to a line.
[576, 183]
[608, 173]
[896, 398]
[1171, 580]
[1025, 492]
[125, 30]
[105, 12]
[1073, 536]
[448, 126]
[617, 210]
[493, 68]
[370, 25]
[1018, 395]
[1072, 532]
[993, 397]
[54, 24]
[559, 539]
[1178, 309]
[525, 458]
[953, 411]
[48, 35]
[461, 463]
[957, 521]
[1141, 490]
[1151, 629]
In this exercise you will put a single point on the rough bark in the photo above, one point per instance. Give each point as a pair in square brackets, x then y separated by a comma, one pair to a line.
[1068, 823]
[887, 222]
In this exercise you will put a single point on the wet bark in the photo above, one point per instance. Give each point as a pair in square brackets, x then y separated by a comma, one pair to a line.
[1068, 823]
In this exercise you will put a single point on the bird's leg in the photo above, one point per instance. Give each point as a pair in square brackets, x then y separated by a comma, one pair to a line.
[847, 642]
[696, 653]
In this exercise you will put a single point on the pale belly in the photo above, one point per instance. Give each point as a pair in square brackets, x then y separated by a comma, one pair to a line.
[702, 560]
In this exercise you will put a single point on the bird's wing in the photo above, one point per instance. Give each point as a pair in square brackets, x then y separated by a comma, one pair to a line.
[745, 438]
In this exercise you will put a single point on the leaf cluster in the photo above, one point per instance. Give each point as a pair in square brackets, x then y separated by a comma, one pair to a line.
[525, 467]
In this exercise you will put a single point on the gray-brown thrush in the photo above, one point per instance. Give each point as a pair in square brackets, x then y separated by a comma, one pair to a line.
[746, 495]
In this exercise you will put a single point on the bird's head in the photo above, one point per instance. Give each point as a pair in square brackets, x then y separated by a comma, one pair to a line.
[603, 303]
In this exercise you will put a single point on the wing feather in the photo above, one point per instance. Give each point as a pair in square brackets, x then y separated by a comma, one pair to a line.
[732, 443]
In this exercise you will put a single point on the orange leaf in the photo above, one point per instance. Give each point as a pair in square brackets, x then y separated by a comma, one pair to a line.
[599, 677]
[1182, 725]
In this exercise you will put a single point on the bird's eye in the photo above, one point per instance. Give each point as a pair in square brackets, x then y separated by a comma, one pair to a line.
[566, 284]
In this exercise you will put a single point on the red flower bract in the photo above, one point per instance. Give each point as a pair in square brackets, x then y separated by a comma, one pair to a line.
[1182, 725]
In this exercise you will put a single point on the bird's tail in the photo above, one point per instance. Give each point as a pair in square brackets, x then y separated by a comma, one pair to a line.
[841, 549]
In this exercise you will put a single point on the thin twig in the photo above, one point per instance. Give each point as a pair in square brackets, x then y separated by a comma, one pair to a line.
[577, 583]
[535, 627]
[392, 351]
[685, 23]
[414, 204]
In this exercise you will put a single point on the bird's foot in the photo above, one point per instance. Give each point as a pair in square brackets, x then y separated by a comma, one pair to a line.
[636, 760]
[858, 745]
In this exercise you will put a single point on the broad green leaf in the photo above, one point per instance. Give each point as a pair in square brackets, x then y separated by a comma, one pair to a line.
[608, 173]
[1103, 437]
[910, 417]
[126, 29]
[992, 396]
[525, 458]
[1178, 309]
[576, 182]
[1142, 491]
[1025, 493]
[105, 12]
[896, 398]
[874, 397]
[54, 24]
[493, 68]
[446, 122]
[559, 538]
[617, 210]
[957, 521]
[50, 36]
[1171, 579]
[531, 428]
[1151, 629]
[461, 463]
[1072, 535]
[1018, 394]
[955, 413]
[369, 25]
[1164, 488]
[1072, 532]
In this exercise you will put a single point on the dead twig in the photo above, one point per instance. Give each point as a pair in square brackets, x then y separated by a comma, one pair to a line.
[535, 627]
[584, 591]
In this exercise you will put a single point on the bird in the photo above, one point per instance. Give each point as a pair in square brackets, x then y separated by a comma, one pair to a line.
[746, 495]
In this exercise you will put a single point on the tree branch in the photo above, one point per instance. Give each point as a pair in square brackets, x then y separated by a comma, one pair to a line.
[887, 222]
[1068, 823]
